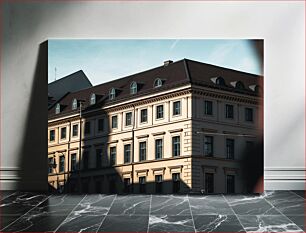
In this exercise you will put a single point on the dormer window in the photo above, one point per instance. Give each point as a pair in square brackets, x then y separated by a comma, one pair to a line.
[92, 99]
[237, 84]
[218, 81]
[255, 88]
[112, 93]
[133, 88]
[158, 83]
[57, 109]
[74, 104]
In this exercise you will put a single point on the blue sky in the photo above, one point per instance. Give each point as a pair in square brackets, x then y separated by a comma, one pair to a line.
[105, 60]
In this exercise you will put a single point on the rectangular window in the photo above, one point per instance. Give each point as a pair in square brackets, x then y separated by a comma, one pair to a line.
[127, 153]
[85, 160]
[230, 184]
[75, 129]
[87, 127]
[50, 165]
[52, 135]
[128, 119]
[158, 183]
[114, 122]
[248, 114]
[208, 146]
[209, 182]
[176, 182]
[208, 107]
[159, 111]
[62, 163]
[158, 148]
[142, 184]
[63, 133]
[73, 162]
[113, 156]
[101, 125]
[126, 182]
[176, 108]
[98, 158]
[176, 146]
[230, 148]
[229, 111]
[143, 115]
[142, 151]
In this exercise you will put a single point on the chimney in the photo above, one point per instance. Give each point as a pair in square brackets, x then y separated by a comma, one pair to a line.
[166, 63]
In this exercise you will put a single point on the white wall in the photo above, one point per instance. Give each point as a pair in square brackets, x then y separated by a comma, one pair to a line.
[26, 25]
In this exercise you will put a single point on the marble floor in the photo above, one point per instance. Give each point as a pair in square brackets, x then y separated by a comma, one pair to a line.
[273, 211]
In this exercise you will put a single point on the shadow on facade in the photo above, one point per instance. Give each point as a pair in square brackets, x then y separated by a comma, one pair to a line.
[93, 173]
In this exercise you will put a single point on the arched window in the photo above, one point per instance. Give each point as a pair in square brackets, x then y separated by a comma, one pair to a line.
[112, 94]
[220, 81]
[92, 99]
[74, 104]
[158, 82]
[133, 88]
[57, 109]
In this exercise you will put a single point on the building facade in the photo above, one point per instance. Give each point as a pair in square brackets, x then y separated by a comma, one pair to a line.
[178, 128]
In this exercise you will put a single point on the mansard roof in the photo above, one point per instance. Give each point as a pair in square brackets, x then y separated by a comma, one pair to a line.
[173, 75]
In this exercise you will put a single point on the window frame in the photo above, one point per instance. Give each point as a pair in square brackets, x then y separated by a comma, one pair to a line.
[112, 94]
[114, 117]
[126, 118]
[52, 139]
[157, 83]
[141, 158]
[227, 112]
[74, 104]
[141, 115]
[64, 138]
[230, 148]
[57, 108]
[92, 99]
[208, 110]
[112, 155]
[247, 117]
[174, 108]
[87, 127]
[125, 161]
[61, 167]
[159, 148]
[77, 130]
[133, 88]
[174, 144]
[157, 112]
[73, 168]
[206, 144]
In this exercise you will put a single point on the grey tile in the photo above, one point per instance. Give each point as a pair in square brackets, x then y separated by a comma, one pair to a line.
[170, 205]
[250, 205]
[299, 220]
[81, 223]
[272, 223]
[217, 223]
[20, 203]
[6, 220]
[301, 193]
[128, 223]
[5, 194]
[36, 223]
[95, 204]
[130, 204]
[286, 202]
[209, 205]
[164, 223]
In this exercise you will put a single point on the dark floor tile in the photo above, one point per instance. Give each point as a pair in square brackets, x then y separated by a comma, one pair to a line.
[217, 223]
[170, 205]
[301, 193]
[81, 223]
[5, 194]
[20, 203]
[95, 204]
[7, 220]
[251, 205]
[128, 223]
[273, 223]
[67, 199]
[286, 202]
[130, 204]
[164, 223]
[36, 223]
[209, 205]
[299, 220]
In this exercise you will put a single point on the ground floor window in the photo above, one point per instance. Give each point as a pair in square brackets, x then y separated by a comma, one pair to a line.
[176, 182]
[158, 183]
[209, 182]
[127, 185]
[230, 184]
[142, 184]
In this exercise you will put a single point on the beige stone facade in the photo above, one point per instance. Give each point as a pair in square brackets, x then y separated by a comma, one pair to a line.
[144, 153]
